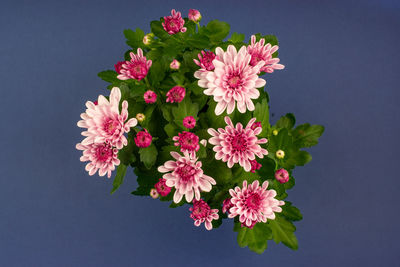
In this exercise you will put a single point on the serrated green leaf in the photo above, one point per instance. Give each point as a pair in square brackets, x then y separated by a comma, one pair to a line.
[108, 76]
[283, 231]
[156, 73]
[256, 238]
[171, 129]
[286, 121]
[307, 135]
[217, 30]
[126, 155]
[267, 169]
[158, 30]
[119, 177]
[290, 212]
[146, 180]
[148, 155]
[184, 109]
[134, 38]
[237, 38]
[261, 113]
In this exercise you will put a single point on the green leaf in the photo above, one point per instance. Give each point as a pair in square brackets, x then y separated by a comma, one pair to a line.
[158, 30]
[108, 76]
[146, 180]
[185, 108]
[134, 38]
[283, 231]
[267, 170]
[126, 155]
[282, 141]
[307, 135]
[156, 73]
[236, 37]
[217, 169]
[261, 112]
[290, 212]
[217, 30]
[286, 121]
[119, 177]
[199, 41]
[148, 155]
[171, 129]
[256, 238]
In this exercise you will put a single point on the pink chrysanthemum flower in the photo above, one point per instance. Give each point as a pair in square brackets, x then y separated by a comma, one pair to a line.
[205, 61]
[150, 97]
[174, 23]
[201, 212]
[254, 203]
[118, 66]
[261, 52]
[186, 175]
[187, 141]
[255, 125]
[176, 94]
[226, 205]
[254, 166]
[233, 82]
[189, 122]
[282, 176]
[137, 68]
[103, 158]
[143, 139]
[194, 15]
[104, 123]
[237, 144]
[162, 187]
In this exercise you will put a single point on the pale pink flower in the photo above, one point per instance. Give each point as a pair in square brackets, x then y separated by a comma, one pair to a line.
[175, 64]
[194, 15]
[187, 141]
[201, 212]
[261, 52]
[137, 68]
[254, 203]
[186, 175]
[143, 139]
[254, 166]
[176, 94]
[226, 205]
[189, 122]
[150, 97]
[237, 144]
[205, 60]
[102, 157]
[162, 188]
[154, 193]
[118, 66]
[282, 176]
[104, 123]
[174, 23]
[233, 81]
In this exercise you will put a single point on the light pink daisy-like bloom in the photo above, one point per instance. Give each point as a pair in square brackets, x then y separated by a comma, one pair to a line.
[237, 144]
[201, 212]
[150, 97]
[261, 52]
[254, 203]
[143, 139]
[194, 15]
[162, 187]
[137, 68]
[254, 166]
[174, 23]
[189, 122]
[226, 205]
[175, 64]
[118, 66]
[154, 193]
[187, 141]
[176, 94]
[105, 123]
[282, 176]
[186, 175]
[233, 82]
[102, 157]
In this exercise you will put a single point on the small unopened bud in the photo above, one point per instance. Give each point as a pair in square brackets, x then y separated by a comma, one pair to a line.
[194, 15]
[140, 117]
[175, 64]
[280, 154]
[282, 176]
[148, 38]
[275, 132]
[153, 193]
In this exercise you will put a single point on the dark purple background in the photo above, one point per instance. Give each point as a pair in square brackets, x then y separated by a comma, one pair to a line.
[342, 70]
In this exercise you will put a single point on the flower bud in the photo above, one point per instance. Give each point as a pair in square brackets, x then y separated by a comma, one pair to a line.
[280, 154]
[275, 132]
[175, 65]
[148, 38]
[140, 117]
[153, 193]
[194, 15]
[282, 176]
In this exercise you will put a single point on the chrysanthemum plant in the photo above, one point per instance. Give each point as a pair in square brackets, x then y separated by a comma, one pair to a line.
[188, 111]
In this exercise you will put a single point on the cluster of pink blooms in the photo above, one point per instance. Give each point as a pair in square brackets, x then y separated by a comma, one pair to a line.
[189, 122]
[137, 68]
[189, 142]
[237, 144]
[201, 212]
[104, 135]
[143, 139]
[253, 203]
[174, 23]
[176, 94]
[150, 97]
